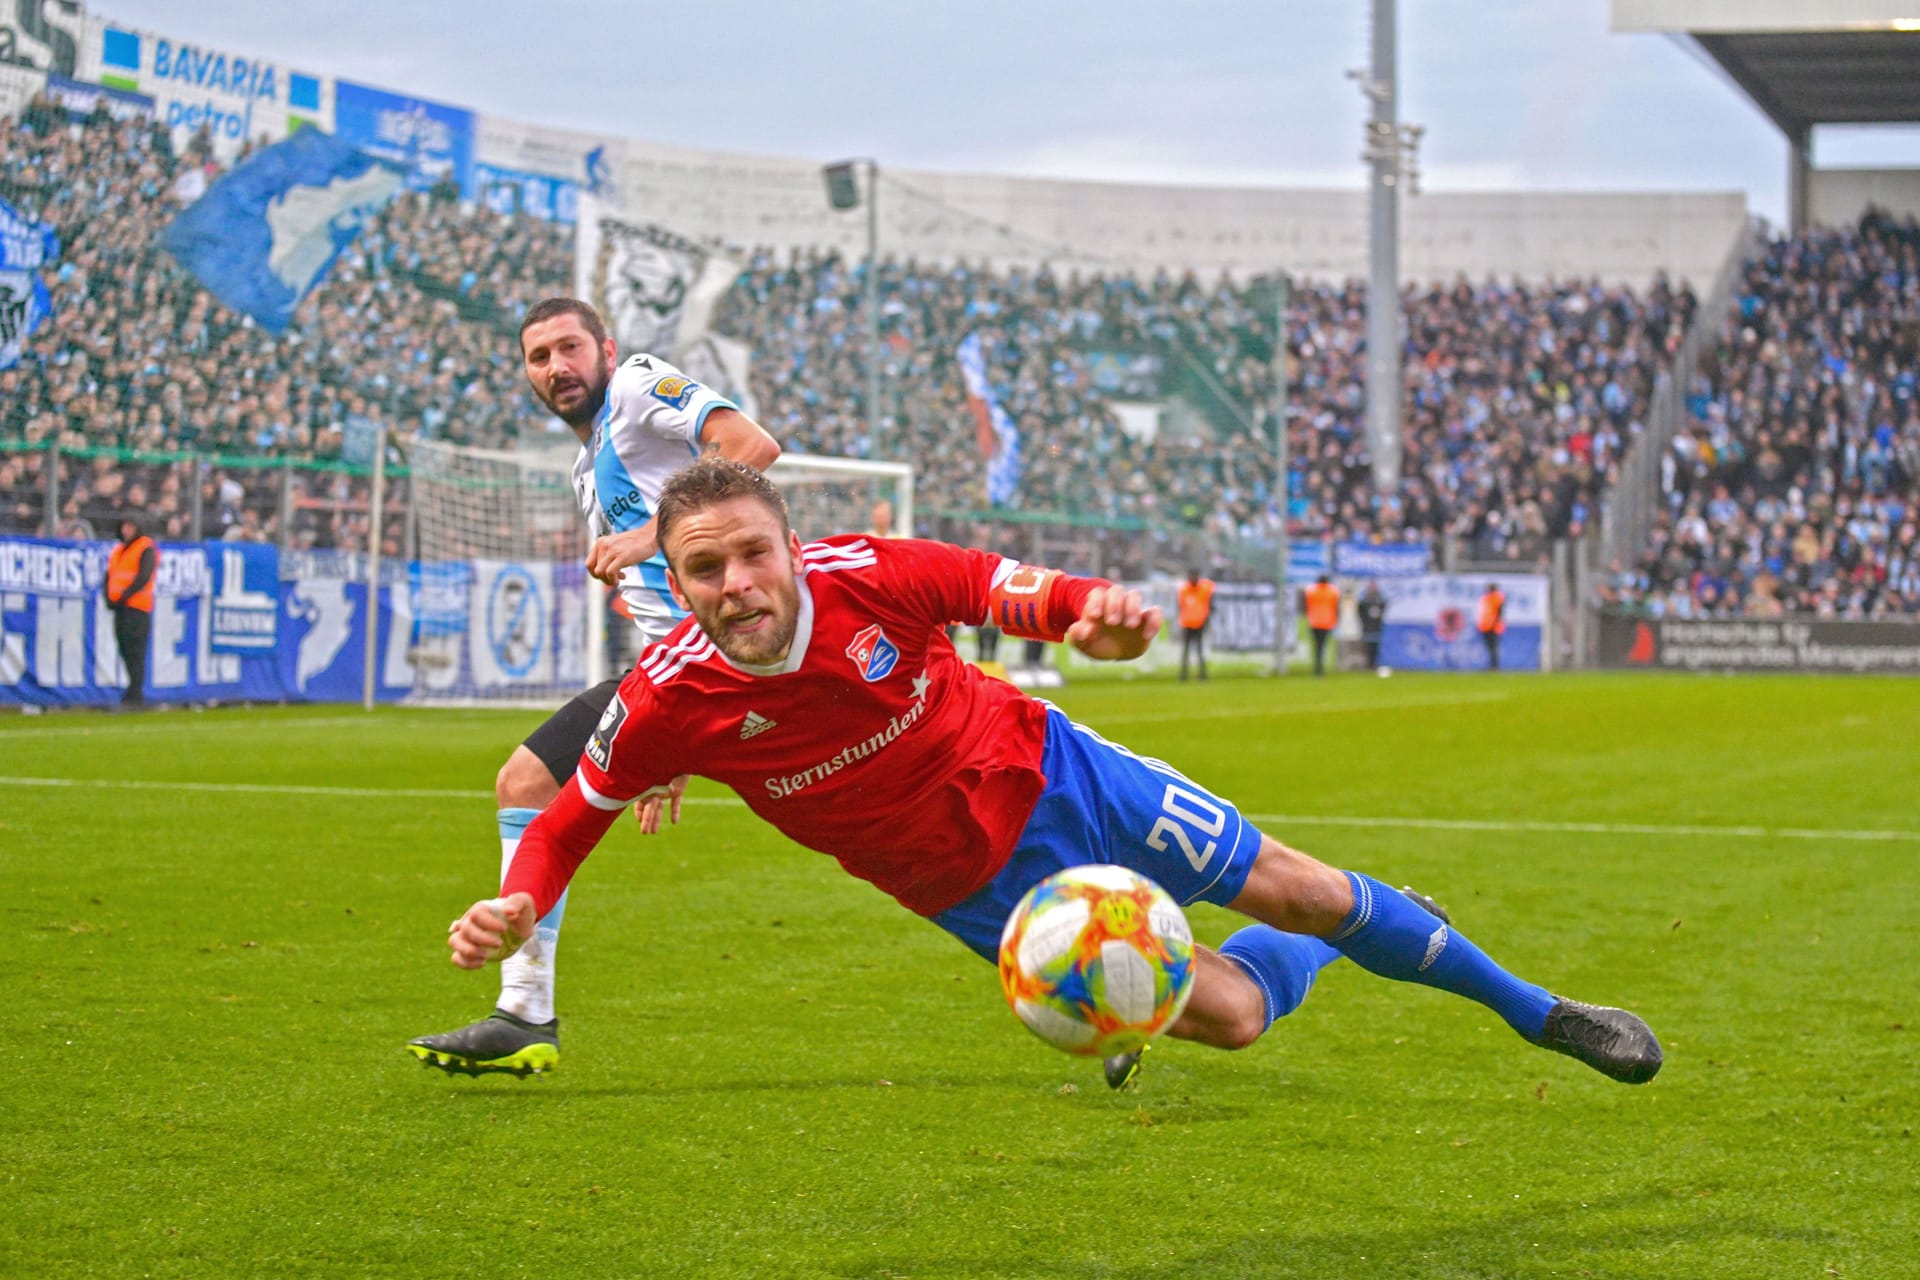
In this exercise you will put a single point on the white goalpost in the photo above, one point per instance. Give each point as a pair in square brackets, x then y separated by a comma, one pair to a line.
[499, 606]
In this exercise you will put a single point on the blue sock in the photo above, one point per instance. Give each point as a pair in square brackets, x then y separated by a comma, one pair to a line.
[1387, 934]
[1283, 964]
[513, 822]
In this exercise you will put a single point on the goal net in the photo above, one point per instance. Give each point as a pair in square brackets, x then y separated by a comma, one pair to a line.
[501, 610]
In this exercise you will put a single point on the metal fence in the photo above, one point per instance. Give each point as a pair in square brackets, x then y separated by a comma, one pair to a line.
[59, 492]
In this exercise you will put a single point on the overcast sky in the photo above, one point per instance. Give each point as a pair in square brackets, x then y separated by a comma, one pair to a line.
[1514, 94]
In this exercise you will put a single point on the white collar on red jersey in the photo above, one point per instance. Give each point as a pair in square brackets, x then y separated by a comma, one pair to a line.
[796, 652]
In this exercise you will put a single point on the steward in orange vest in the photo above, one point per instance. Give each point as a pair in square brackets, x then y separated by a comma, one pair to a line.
[1323, 615]
[130, 569]
[1196, 606]
[1493, 623]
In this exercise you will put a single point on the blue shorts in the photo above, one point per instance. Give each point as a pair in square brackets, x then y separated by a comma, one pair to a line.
[1105, 804]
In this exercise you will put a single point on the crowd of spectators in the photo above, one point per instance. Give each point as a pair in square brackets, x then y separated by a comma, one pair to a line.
[1794, 486]
[1520, 397]
[405, 332]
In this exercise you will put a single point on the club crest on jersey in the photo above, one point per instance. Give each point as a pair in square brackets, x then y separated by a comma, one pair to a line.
[600, 745]
[675, 391]
[873, 653]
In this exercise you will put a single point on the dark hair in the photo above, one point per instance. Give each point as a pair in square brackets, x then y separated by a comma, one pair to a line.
[713, 480]
[553, 308]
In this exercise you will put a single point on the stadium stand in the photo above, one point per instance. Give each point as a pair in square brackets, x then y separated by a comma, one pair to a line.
[1792, 489]
[1522, 397]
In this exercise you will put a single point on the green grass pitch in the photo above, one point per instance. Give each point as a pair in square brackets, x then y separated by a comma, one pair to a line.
[771, 1070]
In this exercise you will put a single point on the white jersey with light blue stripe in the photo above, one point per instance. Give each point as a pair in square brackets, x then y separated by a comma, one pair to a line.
[649, 429]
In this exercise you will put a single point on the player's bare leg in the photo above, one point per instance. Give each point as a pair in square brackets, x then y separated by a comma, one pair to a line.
[521, 1035]
[1232, 1006]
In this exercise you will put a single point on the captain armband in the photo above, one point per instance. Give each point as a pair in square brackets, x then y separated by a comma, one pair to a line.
[1021, 604]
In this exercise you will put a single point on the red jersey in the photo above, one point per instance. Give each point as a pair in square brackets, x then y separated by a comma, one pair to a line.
[872, 742]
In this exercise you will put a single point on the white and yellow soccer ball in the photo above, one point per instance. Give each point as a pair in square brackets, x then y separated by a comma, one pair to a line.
[1097, 960]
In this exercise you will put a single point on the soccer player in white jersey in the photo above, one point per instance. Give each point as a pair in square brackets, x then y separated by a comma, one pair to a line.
[638, 423]
[956, 793]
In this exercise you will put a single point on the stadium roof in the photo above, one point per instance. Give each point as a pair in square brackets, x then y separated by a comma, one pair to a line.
[1802, 62]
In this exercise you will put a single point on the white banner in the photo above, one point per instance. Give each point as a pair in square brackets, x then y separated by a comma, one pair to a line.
[1448, 602]
[235, 97]
[510, 624]
[654, 288]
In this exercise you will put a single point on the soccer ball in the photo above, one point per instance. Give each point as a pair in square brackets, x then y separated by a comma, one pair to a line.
[1097, 960]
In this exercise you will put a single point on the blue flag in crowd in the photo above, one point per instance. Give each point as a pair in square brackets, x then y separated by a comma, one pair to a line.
[25, 246]
[264, 234]
[999, 438]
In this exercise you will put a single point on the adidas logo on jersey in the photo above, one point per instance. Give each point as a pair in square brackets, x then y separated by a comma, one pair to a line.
[754, 723]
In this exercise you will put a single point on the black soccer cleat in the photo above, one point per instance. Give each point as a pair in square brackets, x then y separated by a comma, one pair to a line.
[498, 1042]
[1613, 1042]
[1426, 904]
[1122, 1069]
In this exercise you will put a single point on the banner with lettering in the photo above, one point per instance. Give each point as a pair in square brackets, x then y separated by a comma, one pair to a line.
[430, 141]
[235, 97]
[1432, 622]
[238, 622]
[56, 632]
[1381, 559]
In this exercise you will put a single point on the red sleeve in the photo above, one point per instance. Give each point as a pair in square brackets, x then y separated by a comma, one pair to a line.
[960, 584]
[554, 845]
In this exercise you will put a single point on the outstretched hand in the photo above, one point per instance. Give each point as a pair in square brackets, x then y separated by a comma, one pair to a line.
[1115, 625]
[491, 930]
[617, 551]
[652, 804]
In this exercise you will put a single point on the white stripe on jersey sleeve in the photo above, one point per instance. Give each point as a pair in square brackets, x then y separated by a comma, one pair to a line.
[594, 798]
[676, 659]
[827, 559]
[1002, 571]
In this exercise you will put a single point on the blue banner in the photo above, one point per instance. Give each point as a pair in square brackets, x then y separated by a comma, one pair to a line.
[1381, 559]
[238, 622]
[246, 597]
[516, 191]
[323, 623]
[427, 141]
[1306, 561]
[264, 234]
[25, 247]
[82, 99]
[997, 433]
[56, 632]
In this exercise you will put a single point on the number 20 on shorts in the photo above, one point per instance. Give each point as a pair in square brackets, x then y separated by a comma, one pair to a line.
[1184, 809]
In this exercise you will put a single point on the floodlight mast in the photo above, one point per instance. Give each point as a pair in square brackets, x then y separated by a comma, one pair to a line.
[1390, 153]
[843, 193]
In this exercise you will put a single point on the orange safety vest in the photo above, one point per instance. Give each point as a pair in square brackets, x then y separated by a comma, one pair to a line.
[1323, 606]
[123, 566]
[1196, 603]
[1493, 615]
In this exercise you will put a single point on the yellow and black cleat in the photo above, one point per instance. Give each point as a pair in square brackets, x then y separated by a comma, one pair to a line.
[1123, 1069]
[499, 1042]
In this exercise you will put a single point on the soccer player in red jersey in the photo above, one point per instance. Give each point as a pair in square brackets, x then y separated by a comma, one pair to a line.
[817, 681]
